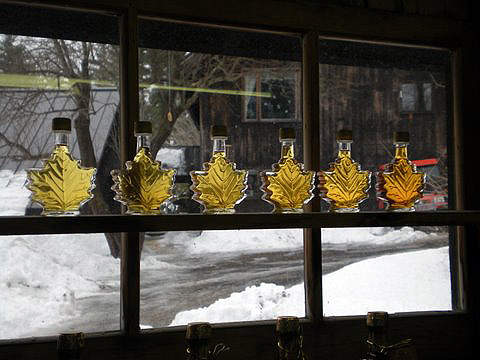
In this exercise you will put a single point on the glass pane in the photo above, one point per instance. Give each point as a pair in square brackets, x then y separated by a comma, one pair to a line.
[202, 77]
[57, 283]
[373, 90]
[221, 276]
[57, 76]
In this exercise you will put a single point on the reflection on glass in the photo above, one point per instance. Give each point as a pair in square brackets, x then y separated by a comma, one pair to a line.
[57, 283]
[408, 97]
[221, 276]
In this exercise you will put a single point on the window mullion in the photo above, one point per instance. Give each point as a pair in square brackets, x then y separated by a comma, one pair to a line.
[129, 100]
[311, 157]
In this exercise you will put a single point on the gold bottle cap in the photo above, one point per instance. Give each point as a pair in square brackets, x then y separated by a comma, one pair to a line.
[377, 319]
[287, 324]
[71, 341]
[218, 131]
[61, 124]
[286, 134]
[401, 137]
[344, 135]
[198, 331]
[143, 127]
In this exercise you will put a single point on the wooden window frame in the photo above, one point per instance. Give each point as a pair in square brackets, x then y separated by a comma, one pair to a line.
[438, 335]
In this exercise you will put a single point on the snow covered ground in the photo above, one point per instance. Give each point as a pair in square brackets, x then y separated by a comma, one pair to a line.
[44, 279]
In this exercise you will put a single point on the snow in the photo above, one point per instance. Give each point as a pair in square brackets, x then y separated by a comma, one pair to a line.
[413, 281]
[171, 158]
[14, 196]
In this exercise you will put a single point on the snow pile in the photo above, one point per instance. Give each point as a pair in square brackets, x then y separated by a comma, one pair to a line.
[224, 241]
[42, 276]
[375, 235]
[171, 158]
[14, 197]
[414, 281]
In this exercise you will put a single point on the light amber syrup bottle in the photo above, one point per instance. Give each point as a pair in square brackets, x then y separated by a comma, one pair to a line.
[344, 185]
[399, 185]
[143, 186]
[288, 187]
[219, 186]
[62, 186]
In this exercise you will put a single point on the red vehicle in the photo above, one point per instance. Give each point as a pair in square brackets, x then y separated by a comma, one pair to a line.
[430, 200]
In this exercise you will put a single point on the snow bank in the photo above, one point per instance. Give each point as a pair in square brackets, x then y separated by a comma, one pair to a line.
[14, 197]
[42, 276]
[414, 281]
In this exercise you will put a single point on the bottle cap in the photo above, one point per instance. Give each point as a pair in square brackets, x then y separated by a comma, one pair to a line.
[401, 137]
[71, 341]
[218, 131]
[286, 134]
[287, 324]
[198, 331]
[143, 127]
[344, 135]
[377, 319]
[61, 124]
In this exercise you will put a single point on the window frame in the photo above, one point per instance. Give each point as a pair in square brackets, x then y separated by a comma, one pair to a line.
[441, 335]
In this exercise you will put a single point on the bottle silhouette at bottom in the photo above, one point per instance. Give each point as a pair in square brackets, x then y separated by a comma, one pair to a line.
[198, 342]
[289, 338]
[70, 346]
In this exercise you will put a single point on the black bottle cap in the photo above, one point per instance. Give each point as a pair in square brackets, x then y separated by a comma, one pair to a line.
[218, 131]
[287, 324]
[377, 319]
[71, 342]
[143, 127]
[344, 135]
[401, 137]
[286, 134]
[61, 124]
[198, 331]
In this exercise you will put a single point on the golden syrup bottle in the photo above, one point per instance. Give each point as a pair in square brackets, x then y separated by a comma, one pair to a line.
[289, 338]
[288, 187]
[344, 185]
[399, 185]
[219, 186]
[143, 186]
[62, 185]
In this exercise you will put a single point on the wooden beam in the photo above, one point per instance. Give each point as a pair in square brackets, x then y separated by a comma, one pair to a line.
[124, 223]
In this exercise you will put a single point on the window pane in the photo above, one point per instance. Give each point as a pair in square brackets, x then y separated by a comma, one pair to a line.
[387, 269]
[221, 276]
[46, 77]
[57, 283]
[207, 76]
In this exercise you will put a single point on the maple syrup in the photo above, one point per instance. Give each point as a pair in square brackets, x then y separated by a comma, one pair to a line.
[344, 186]
[143, 186]
[399, 185]
[288, 187]
[219, 186]
[62, 186]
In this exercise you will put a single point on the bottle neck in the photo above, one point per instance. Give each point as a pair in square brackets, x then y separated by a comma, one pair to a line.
[401, 151]
[344, 148]
[288, 148]
[219, 148]
[378, 336]
[62, 138]
[143, 142]
[198, 349]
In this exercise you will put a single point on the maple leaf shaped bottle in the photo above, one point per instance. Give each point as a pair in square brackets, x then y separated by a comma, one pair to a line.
[219, 187]
[344, 185]
[288, 187]
[62, 185]
[143, 186]
[399, 185]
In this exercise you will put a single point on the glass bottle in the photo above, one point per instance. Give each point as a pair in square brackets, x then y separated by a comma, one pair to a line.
[197, 339]
[70, 346]
[344, 185]
[62, 185]
[219, 186]
[399, 185]
[289, 338]
[287, 187]
[143, 186]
